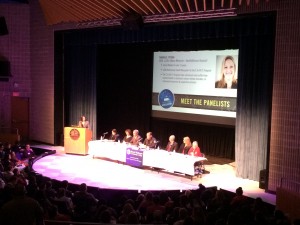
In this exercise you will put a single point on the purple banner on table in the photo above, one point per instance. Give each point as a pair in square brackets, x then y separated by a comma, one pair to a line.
[134, 157]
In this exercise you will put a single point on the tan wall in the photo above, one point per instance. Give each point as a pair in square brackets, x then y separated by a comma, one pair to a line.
[15, 47]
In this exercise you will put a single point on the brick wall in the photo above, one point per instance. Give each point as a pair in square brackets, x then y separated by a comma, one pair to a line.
[15, 47]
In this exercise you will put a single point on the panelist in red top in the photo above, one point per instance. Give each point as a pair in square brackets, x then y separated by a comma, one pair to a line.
[195, 149]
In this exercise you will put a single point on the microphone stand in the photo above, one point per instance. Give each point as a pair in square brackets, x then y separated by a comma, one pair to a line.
[104, 135]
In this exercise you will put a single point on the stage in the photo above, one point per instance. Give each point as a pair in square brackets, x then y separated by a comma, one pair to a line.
[108, 174]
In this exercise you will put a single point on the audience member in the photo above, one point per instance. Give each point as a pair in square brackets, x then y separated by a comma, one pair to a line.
[32, 186]
[61, 197]
[239, 199]
[2, 153]
[183, 214]
[27, 153]
[8, 172]
[65, 185]
[154, 208]
[148, 201]
[19, 177]
[2, 183]
[49, 190]
[84, 204]
[126, 210]
[21, 209]
[16, 148]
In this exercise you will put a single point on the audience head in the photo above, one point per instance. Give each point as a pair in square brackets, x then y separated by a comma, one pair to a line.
[65, 184]
[83, 187]
[239, 191]
[61, 192]
[133, 218]
[149, 195]
[19, 189]
[114, 131]
[183, 213]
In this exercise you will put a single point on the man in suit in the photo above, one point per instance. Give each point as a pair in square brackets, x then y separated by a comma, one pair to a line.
[136, 138]
[150, 141]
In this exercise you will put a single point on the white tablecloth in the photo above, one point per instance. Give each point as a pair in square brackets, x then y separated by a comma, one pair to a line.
[169, 161]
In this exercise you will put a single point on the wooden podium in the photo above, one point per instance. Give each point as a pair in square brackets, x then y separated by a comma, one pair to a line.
[76, 140]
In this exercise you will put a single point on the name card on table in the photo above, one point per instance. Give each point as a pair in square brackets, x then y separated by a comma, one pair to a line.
[134, 157]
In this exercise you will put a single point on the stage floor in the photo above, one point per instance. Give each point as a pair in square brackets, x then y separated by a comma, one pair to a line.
[102, 173]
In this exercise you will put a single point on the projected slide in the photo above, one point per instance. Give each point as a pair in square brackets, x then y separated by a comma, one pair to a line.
[187, 84]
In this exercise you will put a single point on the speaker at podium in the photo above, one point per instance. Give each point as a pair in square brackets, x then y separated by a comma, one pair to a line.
[76, 140]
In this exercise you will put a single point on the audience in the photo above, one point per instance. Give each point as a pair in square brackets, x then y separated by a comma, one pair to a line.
[21, 209]
[29, 198]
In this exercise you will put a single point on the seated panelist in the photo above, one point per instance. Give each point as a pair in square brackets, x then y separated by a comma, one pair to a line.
[150, 141]
[128, 136]
[195, 149]
[136, 138]
[172, 144]
[114, 136]
[185, 146]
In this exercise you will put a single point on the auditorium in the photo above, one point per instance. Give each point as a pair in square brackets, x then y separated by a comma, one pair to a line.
[100, 90]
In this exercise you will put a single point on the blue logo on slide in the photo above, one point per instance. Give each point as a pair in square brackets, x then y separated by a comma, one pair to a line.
[166, 99]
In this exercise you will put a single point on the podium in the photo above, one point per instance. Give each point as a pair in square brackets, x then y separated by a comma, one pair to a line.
[76, 140]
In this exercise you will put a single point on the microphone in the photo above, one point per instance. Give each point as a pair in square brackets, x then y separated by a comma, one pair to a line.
[105, 133]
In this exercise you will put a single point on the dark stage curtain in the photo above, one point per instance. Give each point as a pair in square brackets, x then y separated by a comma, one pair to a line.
[124, 88]
[254, 97]
[80, 85]
[124, 79]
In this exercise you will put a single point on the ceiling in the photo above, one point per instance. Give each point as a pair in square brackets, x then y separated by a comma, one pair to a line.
[113, 12]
